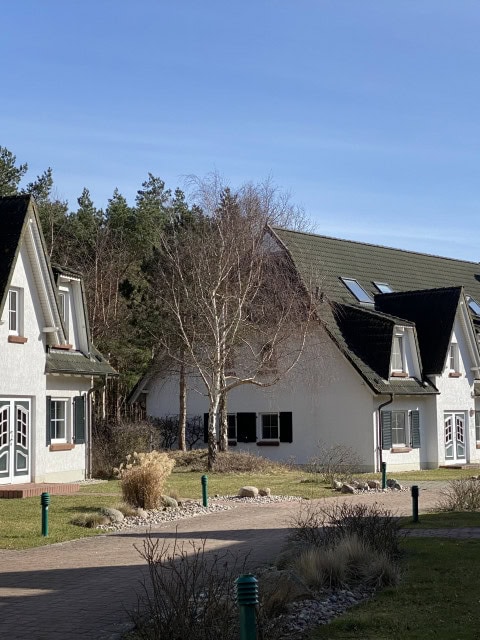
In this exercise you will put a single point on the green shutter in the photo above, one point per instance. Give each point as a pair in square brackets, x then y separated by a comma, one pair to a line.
[79, 420]
[205, 427]
[386, 429]
[415, 429]
[286, 428]
[246, 427]
[47, 420]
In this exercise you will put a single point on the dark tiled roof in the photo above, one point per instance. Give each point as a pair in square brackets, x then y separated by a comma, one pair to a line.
[76, 363]
[433, 312]
[13, 210]
[322, 261]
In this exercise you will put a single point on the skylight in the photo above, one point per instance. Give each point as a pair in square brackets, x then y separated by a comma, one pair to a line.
[357, 290]
[383, 287]
[474, 306]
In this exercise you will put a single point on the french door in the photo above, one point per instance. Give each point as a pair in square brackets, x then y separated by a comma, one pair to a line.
[455, 437]
[14, 441]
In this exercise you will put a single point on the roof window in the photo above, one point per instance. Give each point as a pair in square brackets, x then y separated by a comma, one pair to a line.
[474, 306]
[357, 290]
[383, 287]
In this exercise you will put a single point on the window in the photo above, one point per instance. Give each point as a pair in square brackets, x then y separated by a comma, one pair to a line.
[15, 318]
[474, 306]
[400, 429]
[232, 426]
[58, 420]
[357, 290]
[383, 287]
[64, 304]
[453, 357]
[270, 426]
[477, 426]
[398, 363]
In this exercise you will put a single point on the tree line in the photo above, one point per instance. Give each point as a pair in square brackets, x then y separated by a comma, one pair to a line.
[193, 287]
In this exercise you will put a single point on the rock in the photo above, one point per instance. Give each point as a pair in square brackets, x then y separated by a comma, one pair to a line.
[355, 484]
[363, 486]
[286, 581]
[373, 484]
[473, 477]
[397, 486]
[337, 485]
[347, 488]
[264, 492]
[391, 482]
[141, 513]
[248, 492]
[169, 503]
[113, 514]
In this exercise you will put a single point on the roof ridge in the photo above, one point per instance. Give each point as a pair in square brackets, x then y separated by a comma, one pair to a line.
[411, 292]
[371, 244]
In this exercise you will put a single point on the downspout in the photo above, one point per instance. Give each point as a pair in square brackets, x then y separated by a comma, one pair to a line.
[379, 434]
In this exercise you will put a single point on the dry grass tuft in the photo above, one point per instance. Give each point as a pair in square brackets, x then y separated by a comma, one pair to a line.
[90, 519]
[143, 478]
[461, 495]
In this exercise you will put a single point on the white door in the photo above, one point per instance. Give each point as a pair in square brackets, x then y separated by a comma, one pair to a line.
[455, 437]
[14, 441]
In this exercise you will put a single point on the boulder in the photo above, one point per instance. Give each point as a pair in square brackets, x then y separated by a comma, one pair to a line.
[248, 492]
[391, 482]
[169, 503]
[265, 492]
[113, 514]
[363, 486]
[374, 484]
[347, 488]
[337, 485]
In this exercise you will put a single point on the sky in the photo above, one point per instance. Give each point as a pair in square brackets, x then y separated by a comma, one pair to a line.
[366, 111]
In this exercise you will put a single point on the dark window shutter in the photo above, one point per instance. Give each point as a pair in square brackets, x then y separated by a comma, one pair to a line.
[386, 429]
[79, 419]
[246, 427]
[48, 420]
[415, 429]
[205, 427]
[286, 430]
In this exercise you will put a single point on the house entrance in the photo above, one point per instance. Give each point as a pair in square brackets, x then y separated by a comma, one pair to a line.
[455, 445]
[14, 441]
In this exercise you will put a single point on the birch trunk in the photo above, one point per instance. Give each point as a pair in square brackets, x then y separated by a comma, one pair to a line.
[182, 414]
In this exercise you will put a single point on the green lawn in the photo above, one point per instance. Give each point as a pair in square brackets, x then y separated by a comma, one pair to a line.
[437, 600]
[445, 520]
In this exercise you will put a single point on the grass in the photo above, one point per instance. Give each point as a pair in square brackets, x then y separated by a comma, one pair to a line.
[438, 599]
[445, 520]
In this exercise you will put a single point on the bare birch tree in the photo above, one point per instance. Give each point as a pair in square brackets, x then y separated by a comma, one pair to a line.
[240, 312]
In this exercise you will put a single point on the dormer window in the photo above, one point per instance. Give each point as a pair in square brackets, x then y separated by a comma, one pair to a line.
[15, 312]
[398, 360]
[64, 305]
[383, 287]
[358, 291]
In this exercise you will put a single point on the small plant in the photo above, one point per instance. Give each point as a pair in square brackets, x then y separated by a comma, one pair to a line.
[142, 478]
[461, 495]
[337, 462]
[91, 520]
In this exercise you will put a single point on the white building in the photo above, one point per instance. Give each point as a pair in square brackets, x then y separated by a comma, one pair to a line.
[47, 361]
[398, 373]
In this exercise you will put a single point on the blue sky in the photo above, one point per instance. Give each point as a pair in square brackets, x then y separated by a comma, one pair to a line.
[366, 111]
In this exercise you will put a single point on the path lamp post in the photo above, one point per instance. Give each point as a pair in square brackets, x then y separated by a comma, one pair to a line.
[247, 599]
[45, 501]
[205, 491]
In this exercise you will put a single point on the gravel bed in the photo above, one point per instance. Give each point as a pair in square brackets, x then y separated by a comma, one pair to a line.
[189, 509]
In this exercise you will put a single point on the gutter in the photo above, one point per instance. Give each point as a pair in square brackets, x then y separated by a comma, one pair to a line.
[379, 434]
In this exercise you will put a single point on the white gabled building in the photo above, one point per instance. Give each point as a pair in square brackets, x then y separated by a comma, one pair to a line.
[398, 376]
[47, 361]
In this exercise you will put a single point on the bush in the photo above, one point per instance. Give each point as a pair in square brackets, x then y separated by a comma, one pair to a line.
[336, 462]
[143, 477]
[461, 495]
[190, 595]
[326, 526]
[227, 462]
[113, 442]
[349, 562]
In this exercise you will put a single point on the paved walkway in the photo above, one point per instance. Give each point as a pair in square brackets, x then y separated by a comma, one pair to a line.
[85, 588]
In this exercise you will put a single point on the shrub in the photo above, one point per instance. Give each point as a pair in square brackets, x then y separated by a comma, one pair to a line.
[113, 442]
[336, 462]
[143, 477]
[349, 562]
[191, 594]
[327, 525]
[227, 462]
[461, 495]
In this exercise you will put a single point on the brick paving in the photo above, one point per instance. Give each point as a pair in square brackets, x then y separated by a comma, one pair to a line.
[85, 588]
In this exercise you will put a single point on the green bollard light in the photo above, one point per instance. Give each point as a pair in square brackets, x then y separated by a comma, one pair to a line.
[205, 491]
[415, 492]
[247, 599]
[45, 501]
[384, 475]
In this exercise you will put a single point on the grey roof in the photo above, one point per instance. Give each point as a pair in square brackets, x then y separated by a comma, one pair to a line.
[76, 363]
[13, 210]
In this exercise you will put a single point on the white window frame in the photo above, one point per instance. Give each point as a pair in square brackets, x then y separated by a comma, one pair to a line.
[263, 426]
[406, 428]
[65, 419]
[453, 358]
[15, 315]
[64, 308]
[400, 339]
